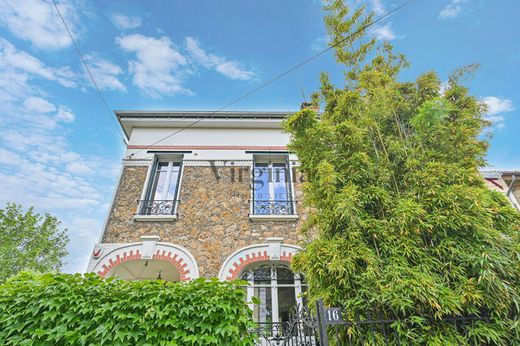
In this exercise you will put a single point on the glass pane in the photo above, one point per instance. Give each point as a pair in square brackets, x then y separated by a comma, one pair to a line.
[263, 275]
[172, 188]
[247, 276]
[280, 182]
[261, 189]
[282, 204]
[263, 312]
[286, 302]
[159, 184]
[284, 275]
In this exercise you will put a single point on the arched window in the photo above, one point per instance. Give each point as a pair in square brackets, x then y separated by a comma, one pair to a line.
[278, 289]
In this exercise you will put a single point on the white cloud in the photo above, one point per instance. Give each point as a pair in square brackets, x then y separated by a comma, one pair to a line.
[65, 114]
[496, 106]
[37, 22]
[123, 22]
[9, 158]
[159, 67]
[443, 87]
[377, 7]
[105, 73]
[13, 59]
[384, 32]
[38, 166]
[451, 10]
[231, 69]
[228, 68]
[319, 44]
[38, 104]
[78, 167]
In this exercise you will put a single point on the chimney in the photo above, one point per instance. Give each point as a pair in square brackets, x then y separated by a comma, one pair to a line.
[311, 106]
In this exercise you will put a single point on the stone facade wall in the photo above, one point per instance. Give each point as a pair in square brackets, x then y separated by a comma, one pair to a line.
[213, 215]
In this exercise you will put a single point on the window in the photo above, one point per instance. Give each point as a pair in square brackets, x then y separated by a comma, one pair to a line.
[278, 289]
[163, 187]
[272, 186]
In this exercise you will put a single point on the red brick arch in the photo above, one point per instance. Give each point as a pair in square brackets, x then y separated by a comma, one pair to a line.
[178, 257]
[177, 261]
[238, 261]
[243, 261]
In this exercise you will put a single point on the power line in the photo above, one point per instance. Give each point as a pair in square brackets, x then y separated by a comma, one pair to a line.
[295, 67]
[88, 71]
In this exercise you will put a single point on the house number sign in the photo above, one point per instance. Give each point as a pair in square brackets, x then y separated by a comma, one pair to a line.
[333, 316]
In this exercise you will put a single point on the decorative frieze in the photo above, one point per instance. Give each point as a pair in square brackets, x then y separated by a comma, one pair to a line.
[137, 162]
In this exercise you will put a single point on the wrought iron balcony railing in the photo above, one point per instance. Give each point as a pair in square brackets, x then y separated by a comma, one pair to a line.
[273, 207]
[156, 207]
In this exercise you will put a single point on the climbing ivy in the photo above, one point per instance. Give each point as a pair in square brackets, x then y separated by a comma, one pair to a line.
[64, 309]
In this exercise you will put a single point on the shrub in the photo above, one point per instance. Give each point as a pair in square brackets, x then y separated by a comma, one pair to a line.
[64, 309]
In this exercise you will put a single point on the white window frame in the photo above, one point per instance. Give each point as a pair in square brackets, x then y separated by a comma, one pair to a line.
[274, 287]
[167, 179]
[150, 176]
[270, 159]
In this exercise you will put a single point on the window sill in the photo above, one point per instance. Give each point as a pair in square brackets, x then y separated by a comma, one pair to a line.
[155, 217]
[292, 217]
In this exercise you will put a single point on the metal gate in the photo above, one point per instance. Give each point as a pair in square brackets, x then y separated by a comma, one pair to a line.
[335, 329]
[330, 326]
[300, 330]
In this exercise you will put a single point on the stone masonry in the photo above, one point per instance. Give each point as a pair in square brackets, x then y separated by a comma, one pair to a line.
[213, 215]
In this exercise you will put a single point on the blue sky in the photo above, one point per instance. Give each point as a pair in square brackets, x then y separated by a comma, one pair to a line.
[60, 152]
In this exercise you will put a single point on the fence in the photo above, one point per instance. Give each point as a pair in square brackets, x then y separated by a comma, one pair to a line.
[330, 326]
[335, 329]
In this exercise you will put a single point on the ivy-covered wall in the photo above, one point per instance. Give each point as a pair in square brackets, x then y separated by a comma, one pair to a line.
[64, 309]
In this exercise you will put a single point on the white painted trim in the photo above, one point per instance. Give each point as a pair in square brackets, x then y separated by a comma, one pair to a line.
[218, 163]
[222, 275]
[291, 185]
[114, 249]
[179, 185]
[136, 162]
[251, 184]
[107, 214]
[254, 217]
[141, 218]
[187, 252]
[149, 174]
[274, 298]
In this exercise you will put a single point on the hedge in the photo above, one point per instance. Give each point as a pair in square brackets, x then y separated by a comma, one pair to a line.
[64, 309]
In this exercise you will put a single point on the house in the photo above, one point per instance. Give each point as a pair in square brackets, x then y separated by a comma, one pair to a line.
[204, 194]
[505, 182]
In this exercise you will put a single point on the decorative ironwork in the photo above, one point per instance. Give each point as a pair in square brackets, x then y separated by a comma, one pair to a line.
[300, 330]
[305, 328]
[156, 207]
[272, 207]
[284, 274]
[334, 325]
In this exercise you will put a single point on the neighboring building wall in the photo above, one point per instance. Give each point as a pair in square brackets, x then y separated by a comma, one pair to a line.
[515, 191]
[213, 216]
[501, 182]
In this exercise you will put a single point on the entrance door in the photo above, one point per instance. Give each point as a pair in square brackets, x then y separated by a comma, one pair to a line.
[278, 289]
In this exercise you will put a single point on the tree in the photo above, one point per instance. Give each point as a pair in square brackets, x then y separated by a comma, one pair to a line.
[401, 223]
[30, 241]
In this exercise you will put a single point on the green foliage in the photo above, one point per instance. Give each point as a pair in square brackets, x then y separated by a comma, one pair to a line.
[64, 309]
[30, 241]
[403, 225]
